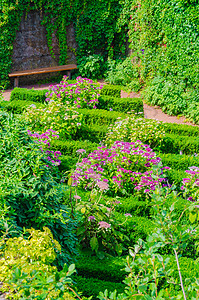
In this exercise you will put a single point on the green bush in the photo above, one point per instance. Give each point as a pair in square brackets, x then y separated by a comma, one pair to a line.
[18, 106]
[111, 90]
[177, 161]
[181, 129]
[92, 286]
[108, 269]
[30, 188]
[121, 104]
[172, 143]
[70, 147]
[91, 66]
[93, 133]
[28, 95]
[100, 116]
[124, 73]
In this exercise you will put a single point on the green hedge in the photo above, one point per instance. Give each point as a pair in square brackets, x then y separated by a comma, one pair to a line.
[181, 129]
[18, 106]
[100, 116]
[94, 133]
[121, 104]
[112, 268]
[177, 161]
[111, 90]
[70, 147]
[92, 286]
[172, 143]
[28, 95]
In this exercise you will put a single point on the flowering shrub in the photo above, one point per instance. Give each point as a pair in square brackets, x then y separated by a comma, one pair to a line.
[123, 168]
[82, 94]
[99, 229]
[133, 128]
[190, 185]
[44, 140]
[60, 117]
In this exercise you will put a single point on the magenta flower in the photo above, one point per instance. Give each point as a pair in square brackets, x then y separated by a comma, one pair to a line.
[91, 218]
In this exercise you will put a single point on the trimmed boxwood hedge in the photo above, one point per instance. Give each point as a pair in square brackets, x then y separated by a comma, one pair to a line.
[111, 90]
[18, 106]
[28, 95]
[181, 129]
[121, 104]
[110, 268]
[177, 161]
[93, 286]
[70, 147]
[100, 116]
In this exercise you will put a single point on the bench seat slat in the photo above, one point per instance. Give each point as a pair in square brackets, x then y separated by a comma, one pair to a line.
[43, 70]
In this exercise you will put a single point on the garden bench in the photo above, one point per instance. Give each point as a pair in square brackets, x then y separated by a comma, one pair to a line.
[17, 74]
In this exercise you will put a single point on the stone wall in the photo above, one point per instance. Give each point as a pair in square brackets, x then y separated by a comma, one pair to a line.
[30, 48]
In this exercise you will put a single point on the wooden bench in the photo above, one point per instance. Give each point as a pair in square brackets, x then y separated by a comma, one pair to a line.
[17, 74]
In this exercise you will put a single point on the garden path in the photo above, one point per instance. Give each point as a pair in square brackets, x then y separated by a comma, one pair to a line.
[150, 112]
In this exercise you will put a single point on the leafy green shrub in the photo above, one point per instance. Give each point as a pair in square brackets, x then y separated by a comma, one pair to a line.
[55, 115]
[91, 66]
[123, 73]
[29, 185]
[133, 128]
[111, 90]
[121, 104]
[26, 267]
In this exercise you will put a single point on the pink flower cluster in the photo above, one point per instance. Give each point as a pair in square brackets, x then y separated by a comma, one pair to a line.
[44, 139]
[82, 94]
[124, 165]
[190, 184]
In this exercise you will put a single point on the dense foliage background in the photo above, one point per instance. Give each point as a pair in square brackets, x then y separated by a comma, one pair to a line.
[98, 27]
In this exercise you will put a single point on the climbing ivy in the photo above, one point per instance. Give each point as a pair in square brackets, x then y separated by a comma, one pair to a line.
[99, 27]
[164, 36]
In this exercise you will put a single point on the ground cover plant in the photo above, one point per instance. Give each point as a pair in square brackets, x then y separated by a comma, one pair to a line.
[110, 215]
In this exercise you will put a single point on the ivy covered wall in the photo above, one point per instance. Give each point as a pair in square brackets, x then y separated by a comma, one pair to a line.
[98, 27]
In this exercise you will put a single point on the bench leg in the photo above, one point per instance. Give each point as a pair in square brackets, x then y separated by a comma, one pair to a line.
[69, 74]
[16, 82]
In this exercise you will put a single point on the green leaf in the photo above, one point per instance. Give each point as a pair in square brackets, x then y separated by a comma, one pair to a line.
[94, 243]
[192, 217]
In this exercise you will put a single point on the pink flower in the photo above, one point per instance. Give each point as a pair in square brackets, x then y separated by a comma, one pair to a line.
[103, 224]
[102, 185]
[128, 215]
[77, 197]
[81, 151]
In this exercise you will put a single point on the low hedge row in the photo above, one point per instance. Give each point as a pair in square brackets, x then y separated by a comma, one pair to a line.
[18, 106]
[121, 104]
[111, 269]
[93, 286]
[111, 90]
[94, 133]
[100, 116]
[177, 161]
[28, 95]
[172, 143]
[181, 129]
[70, 147]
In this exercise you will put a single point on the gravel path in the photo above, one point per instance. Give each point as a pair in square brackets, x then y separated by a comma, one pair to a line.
[150, 112]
